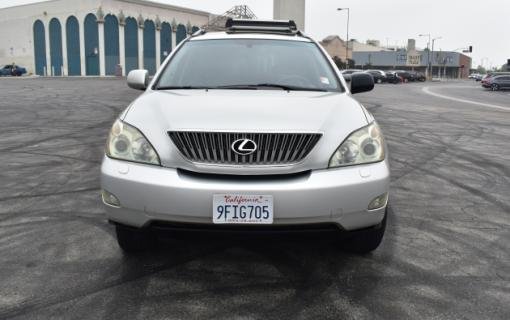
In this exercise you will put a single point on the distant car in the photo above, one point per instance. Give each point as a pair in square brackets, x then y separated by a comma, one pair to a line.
[405, 75]
[496, 83]
[474, 76]
[351, 71]
[12, 70]
[416, 76]
[493, 74]
[420, 76]
[413, 76]
[479, 77]
[393, 77]
[379, 75]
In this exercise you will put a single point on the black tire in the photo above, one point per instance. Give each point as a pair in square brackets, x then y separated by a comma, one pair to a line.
[133, 240]
[366, 241]
[494, 87]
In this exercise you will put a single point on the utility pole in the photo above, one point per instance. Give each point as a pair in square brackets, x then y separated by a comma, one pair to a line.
[428, 55]
[347, 39]
[432, 64]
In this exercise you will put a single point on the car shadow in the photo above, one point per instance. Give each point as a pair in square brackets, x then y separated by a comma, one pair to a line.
[246, 275]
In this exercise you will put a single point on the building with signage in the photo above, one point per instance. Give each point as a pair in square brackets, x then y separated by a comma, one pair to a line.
[93, 37]
[444, 63]
[447, 64]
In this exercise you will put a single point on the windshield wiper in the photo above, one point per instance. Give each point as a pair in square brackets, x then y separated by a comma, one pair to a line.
[243, 87]
[182, 88]
[268, 85]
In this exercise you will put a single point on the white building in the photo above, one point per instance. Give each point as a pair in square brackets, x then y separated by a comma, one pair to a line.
[93, 37]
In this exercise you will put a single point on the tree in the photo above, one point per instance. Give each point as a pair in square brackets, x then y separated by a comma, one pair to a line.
[342, 65]
[481, 70]
[339, 63]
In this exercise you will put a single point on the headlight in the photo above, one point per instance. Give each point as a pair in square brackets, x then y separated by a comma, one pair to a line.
[127, 143]
[363, 146]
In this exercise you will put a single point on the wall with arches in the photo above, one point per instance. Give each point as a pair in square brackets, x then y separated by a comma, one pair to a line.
[93, 37]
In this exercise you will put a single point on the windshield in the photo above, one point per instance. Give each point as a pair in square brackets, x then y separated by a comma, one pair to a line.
[249, 64]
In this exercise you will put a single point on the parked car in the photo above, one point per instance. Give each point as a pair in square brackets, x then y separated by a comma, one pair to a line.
[393, 77]
[12, 70]
[282, 145]
[351, 71]
[417, 76]
[474, 76]
[492, 74]
[496, 83]
[421, 77]
[379, 75]
[405, 75]
[479, 77]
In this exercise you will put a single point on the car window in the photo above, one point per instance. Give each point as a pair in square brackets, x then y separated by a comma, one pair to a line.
[229, 62]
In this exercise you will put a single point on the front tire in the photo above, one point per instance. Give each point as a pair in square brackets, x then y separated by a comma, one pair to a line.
[494, 87]
[366, 241]
[133, 240]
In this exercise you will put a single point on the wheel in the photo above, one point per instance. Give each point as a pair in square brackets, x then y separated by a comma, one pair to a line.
[379, 80]
[366, 241]
[494, 87]
[133, 240]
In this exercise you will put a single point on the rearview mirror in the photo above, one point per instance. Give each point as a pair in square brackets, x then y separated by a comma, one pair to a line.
[361, 82]
[138, 79]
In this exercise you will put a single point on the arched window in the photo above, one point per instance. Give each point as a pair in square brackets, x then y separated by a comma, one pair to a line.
[181, 33]
[166, 40]
[39, 47]
[73, 46]
[149, 46]
[111, 44]
[91, 45]
[56, 47]
[131, 44]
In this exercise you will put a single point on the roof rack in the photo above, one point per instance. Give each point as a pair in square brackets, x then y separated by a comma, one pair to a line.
[266, 26]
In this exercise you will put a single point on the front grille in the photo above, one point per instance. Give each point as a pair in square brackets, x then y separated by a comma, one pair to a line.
[272, 148]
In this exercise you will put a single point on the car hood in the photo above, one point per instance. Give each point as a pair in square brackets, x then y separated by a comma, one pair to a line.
[334, 115]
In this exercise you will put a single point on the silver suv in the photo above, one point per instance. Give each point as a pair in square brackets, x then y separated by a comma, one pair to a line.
[248, 129]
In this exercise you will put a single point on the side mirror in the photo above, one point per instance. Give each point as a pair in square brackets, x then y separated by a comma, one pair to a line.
[361, 82]
[138, 79]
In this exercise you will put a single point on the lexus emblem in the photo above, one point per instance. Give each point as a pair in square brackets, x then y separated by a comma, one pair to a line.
[244, 147]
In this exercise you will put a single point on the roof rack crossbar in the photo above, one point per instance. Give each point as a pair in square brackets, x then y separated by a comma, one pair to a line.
[279, 26]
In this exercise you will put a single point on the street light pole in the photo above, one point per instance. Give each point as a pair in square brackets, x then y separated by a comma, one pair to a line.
[428, 54]
[347, 40]
[432, 65]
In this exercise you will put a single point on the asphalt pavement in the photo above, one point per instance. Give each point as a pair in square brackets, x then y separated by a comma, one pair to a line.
[445, 255]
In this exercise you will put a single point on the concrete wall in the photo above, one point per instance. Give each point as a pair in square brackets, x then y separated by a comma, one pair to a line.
[16, 24]
[290, 10]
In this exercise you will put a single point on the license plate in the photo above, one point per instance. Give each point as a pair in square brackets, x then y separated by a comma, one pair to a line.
[242, 209]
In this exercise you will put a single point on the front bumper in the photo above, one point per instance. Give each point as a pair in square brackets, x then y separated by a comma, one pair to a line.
[341, 196]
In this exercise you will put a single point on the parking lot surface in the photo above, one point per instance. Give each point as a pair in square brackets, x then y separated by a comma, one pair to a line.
[445, 255]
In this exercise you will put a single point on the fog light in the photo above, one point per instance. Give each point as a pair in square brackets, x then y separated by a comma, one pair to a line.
[378, 202]
[110, 199]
